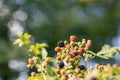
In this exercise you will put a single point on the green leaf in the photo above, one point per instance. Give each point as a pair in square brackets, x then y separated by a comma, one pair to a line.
[116, 70]
[50, 70]
[101, 56]
[35, 48]
[36, 78]
[52, 78]
[43, 45]
[44, 53]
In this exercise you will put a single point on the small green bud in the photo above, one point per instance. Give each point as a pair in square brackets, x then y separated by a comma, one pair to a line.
[70, 67]
[72, 43]
[67, 59]
[68, 71]
[65, 42]
[63, 56]
[29, 66]
[83, 41]
[77, 70]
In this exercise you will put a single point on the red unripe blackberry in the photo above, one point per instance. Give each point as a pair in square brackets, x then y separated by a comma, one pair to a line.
[88, 44]
[68, 46]
[97, 65]
[61, 64]
[57, 49]
[81, 50]
[47, 59]
[93, 78]
[75, 53]
[61, 43]
[33, 74]
[76, 79]
[30, 61]
[70, 55]
[73, 37]
[81, 67]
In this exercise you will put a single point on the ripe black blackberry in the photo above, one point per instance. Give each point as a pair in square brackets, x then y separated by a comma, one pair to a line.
[60, 43]
[61, 64]
[81, 67]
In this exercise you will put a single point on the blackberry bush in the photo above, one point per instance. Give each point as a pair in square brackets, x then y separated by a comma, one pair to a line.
[68, 59]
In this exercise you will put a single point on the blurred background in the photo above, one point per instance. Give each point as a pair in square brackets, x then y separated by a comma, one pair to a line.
[53, 20]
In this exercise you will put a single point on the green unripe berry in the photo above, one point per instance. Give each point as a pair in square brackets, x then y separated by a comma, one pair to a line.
[63, 56]
[29, 66]
[67, 59]
[59, 76]
[76, 63]
[71, 60]
[68, 71]
[58, 58]
[72, 43]
[77, 70]
[70, 67]
[39, 70]
[83, 41]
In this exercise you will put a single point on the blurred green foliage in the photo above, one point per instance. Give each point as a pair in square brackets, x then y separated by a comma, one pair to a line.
[49, 21]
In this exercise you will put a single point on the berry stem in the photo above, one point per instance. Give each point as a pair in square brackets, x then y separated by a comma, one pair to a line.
[44, 76]
[84, 61]
[26, 47]
[97, 55]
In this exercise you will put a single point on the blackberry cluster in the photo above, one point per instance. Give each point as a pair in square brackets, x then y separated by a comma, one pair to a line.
[69, 55]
